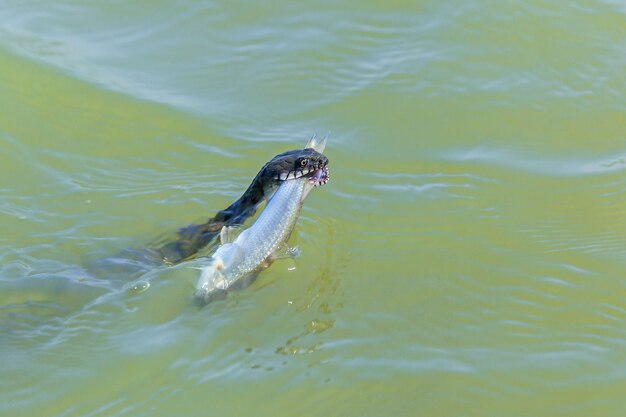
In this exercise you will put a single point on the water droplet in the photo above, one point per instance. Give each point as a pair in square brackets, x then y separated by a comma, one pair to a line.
[140, 286]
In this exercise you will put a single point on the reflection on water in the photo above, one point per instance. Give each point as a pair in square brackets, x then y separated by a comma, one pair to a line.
[323, 288]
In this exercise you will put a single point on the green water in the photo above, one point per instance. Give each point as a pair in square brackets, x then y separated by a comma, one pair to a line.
[467, 258]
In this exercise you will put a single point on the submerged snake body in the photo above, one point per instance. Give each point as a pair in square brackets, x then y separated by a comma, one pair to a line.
[285, 166]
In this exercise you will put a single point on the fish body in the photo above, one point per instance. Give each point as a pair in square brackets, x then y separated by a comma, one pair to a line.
[233, 263]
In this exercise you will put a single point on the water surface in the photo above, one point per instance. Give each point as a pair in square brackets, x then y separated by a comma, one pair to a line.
[466, 259]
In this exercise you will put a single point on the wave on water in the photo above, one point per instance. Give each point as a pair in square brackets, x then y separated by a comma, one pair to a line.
[552, 166]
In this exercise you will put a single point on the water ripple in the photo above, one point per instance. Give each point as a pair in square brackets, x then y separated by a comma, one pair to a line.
[557, 166]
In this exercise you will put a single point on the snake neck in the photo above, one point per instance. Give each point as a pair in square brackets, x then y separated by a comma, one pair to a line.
[261, 187]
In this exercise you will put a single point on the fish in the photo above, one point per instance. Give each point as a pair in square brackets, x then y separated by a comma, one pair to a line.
[239, 258]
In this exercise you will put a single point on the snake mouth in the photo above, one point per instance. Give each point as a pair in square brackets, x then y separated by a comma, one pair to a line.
[319, 176]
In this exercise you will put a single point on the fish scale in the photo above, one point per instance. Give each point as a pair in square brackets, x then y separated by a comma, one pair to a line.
[272, 228]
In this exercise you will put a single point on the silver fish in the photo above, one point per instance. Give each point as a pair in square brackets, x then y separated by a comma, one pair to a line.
[236, 261]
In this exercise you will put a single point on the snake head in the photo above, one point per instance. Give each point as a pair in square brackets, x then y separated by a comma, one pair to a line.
[299, 163]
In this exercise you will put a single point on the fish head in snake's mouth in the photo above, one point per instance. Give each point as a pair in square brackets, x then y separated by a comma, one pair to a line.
[300, 163]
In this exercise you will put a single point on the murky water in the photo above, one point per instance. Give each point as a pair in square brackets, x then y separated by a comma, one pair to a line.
[467, 258]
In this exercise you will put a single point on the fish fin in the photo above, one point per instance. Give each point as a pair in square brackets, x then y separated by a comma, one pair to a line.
[228, 234]
[211, 280]
[317, 144]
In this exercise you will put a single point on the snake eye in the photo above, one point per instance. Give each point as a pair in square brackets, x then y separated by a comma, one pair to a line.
[304, 162]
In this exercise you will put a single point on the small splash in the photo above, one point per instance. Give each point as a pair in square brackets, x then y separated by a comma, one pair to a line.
[140, 287]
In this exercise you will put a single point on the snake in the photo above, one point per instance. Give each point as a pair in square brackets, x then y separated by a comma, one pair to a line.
[285, 166]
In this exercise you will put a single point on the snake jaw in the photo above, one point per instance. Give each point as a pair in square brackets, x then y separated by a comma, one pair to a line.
[318, 175]
[305, 172]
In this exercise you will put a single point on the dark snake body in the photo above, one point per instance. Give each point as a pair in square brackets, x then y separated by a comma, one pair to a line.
[195, 237]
